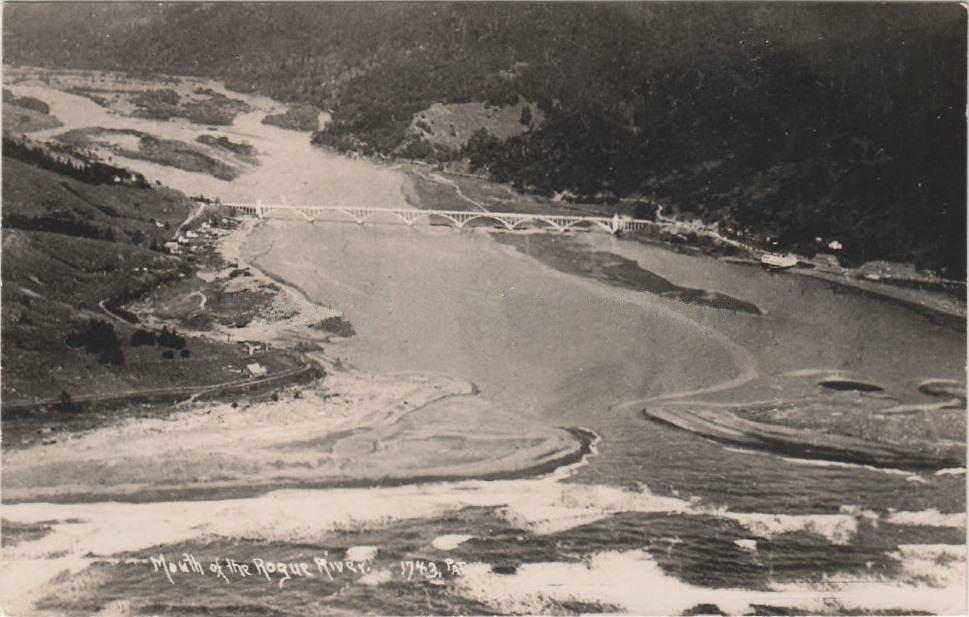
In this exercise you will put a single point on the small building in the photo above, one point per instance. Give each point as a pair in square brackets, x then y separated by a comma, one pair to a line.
[252, 348]
[172, 248]
[256, 370]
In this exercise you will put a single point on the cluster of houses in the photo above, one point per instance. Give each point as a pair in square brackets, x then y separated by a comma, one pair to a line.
[193, 241]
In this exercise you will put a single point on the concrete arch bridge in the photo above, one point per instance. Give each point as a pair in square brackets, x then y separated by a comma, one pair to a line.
[510, 221]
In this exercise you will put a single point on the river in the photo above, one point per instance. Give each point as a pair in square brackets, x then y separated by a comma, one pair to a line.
[290, 169]
[656, 520]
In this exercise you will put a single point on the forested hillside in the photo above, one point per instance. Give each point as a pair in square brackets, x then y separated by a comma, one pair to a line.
[794, 121]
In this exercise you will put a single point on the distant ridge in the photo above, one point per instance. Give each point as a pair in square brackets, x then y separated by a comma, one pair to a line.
[789, 122]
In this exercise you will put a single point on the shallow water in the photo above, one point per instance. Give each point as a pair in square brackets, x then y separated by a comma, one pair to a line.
[574, 352]
[290, 170]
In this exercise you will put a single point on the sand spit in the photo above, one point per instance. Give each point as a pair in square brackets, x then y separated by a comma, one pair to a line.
[831, 417]
[720, 425]
[215, 446]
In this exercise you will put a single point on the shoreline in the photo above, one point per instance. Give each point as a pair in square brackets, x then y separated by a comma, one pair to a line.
[918, 302]
[938, 304]
[905, 293]
[416, 170]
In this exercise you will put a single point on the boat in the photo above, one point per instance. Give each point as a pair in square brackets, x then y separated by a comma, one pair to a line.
[773, 261]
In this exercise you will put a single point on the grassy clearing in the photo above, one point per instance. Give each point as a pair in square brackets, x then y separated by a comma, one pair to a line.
[296, 118]
[201, 106]
[15, 533]
[23, 120]
[138, 145]
[452, 125]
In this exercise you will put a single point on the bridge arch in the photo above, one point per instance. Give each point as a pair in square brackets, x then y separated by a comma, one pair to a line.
[545, 222]
[361, 217]
[605, 224]
[409, 217]
[459, 223]
[508, 222]
[308, 214]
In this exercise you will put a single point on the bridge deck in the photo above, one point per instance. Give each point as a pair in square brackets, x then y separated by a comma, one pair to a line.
[459, 218]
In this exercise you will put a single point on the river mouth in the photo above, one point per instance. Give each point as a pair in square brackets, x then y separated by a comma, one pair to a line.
[645, 507]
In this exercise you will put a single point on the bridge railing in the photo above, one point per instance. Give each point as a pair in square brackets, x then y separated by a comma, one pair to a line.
[512, 221]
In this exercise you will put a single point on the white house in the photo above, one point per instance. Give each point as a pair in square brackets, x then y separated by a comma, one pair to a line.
[256, 370]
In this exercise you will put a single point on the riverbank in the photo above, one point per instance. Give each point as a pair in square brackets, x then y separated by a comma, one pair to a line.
[352, 428]
[940, 299]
